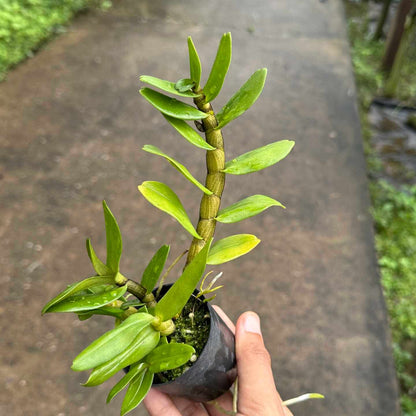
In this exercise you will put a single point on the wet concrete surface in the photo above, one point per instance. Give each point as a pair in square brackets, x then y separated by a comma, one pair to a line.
[71, 127]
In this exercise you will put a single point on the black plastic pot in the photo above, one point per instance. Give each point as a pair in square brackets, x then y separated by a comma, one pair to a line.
[215, 370]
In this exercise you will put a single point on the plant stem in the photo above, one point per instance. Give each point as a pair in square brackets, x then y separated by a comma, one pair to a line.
[162, 280]
[136, 289]
[139, 291]
[215, 180]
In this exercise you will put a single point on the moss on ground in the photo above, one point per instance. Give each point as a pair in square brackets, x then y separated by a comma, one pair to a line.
[27, 24]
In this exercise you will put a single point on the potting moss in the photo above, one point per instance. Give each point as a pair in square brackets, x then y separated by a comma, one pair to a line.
[192, 327]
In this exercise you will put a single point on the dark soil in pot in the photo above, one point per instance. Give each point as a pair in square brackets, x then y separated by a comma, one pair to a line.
[213, 371]
[192, 327]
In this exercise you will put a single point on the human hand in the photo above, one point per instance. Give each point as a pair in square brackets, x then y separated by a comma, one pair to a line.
[257, 394]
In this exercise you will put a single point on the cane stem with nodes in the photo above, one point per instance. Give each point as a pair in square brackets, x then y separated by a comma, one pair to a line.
[215, 179]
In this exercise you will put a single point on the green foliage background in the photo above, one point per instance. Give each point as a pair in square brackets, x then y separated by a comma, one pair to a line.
[394, 214]
[26, 24]
[394, 208]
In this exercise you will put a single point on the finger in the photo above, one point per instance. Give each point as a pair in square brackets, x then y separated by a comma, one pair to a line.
[158, 403]
[257, 392]
[225, 402]
[225, 318]
[188, 408]
[287, 411]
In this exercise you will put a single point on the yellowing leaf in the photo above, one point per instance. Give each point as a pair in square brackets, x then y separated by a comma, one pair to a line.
[230, 248]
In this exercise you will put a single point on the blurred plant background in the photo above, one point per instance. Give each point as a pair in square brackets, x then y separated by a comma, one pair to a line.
[27, 24]
[383, 47]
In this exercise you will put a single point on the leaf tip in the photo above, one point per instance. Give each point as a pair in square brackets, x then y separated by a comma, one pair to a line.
[316, 396]
[105, 206]
[74, 367]
[88, 246]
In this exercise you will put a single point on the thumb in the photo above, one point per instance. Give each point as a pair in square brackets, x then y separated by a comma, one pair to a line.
[257, 394]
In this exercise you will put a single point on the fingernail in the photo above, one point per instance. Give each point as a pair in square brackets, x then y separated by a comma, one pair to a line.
[252, 324]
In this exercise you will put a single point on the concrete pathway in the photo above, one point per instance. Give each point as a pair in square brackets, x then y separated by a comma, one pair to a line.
[71, 127]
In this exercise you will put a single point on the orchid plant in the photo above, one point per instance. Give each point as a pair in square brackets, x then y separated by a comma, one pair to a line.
[143, 340]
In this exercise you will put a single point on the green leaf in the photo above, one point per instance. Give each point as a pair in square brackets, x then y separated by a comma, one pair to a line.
[145, 341]
[230, 248]
[154, 268]
[177, 296]
[84, 316]
[260, 158]
[245, 97]
[77, 287]
[112, 342]
[99, 288]
[194, 63]
[169, 356]
[181, 168]
[105, 310]
[184, 85]
[162, 197]
[167, 86]
[135, 303]
[101, 268]
[189, 133]
[163, 340]
[113, 237]
[171, 106]
[133, 372]
[246, 208]
[87, 301]
[219, 69]
[137, 391]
